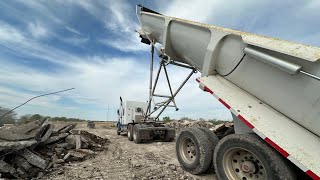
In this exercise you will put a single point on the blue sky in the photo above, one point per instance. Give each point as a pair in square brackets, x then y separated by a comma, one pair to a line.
[91, 45]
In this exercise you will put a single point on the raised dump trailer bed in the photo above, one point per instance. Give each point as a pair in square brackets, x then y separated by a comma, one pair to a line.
[271, 87]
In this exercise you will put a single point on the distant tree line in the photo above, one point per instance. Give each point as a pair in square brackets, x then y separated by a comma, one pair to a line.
[11, 118]
[31, 117]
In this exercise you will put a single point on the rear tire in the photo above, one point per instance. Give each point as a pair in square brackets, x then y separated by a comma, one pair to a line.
[213, 138]
[194, 150]
[130, 132]
[246, 156]
[136, 135]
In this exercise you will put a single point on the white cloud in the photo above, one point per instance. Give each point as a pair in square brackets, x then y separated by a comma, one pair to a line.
[76, 41]
[37, 30]
[12, 97]
[17, 41]
[72, 30]
[121, 23]
[41, 8]
[200, 10]
[129, 43]
[9, 33]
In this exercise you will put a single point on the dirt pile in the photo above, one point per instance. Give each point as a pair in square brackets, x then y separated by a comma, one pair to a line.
[180, 124]
[221, 129]
[32, 149]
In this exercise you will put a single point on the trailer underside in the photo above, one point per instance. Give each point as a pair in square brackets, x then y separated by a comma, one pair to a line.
[147, 131]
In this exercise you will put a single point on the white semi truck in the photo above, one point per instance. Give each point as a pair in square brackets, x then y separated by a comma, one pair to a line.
[132, 121]
[271, 87]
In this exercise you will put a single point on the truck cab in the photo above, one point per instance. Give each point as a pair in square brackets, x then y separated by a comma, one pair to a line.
[130, 112]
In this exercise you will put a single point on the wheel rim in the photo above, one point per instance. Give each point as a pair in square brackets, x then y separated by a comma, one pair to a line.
[240, 163]
[188, 150]
[129, 133]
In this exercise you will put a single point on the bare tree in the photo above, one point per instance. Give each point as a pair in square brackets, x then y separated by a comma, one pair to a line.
[10, 118]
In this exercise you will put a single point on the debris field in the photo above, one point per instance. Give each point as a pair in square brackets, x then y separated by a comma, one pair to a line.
[30, 150]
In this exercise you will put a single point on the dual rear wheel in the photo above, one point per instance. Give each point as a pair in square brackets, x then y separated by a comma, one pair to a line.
[136, 135]
[193, 148]
[236, 156]
[130, 132]
[133, 133]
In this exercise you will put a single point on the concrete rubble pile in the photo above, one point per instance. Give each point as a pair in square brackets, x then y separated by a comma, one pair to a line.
[29, 150]
[221, 129]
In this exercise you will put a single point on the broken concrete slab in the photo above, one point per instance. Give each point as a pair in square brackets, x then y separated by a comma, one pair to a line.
[6, 168]
[85, 151]
[22, 173]
[77, 154]
[57, 160]
[21, 162]
[56, 138]
[64, 145]
[47, 131]
[71, 140]
[84, 143]
[16, 145]
[22, 132]
[34, 159]
[78, 142]
[66, 128]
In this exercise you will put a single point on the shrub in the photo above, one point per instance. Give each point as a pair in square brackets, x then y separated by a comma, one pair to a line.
[166, 119]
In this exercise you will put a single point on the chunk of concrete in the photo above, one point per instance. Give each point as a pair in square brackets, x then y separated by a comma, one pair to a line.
[21, 162]
[66, 128]
[56, 138]
[16, 145]
[78, 141]
[34, 159]
[6, 168]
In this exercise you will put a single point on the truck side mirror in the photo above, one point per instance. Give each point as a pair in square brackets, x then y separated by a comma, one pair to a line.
[120, 100]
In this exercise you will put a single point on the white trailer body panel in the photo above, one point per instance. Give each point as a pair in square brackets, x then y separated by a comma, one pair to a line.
[294, 142]
[132, 113]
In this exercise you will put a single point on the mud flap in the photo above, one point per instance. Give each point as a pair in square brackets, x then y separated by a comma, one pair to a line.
[145, 133]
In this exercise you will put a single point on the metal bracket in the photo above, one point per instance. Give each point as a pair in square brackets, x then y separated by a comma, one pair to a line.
[152, 87]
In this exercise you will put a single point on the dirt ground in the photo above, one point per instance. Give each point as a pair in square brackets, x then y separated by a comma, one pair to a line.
[124, 159]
